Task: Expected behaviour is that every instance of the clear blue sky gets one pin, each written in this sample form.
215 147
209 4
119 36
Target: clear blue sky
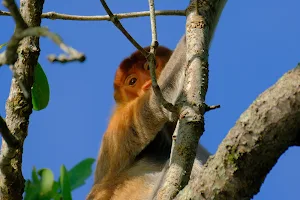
255 44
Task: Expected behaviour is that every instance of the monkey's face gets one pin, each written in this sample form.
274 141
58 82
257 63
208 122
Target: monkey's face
133 78
135 83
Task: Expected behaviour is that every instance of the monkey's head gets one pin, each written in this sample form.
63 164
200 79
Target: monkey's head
132 77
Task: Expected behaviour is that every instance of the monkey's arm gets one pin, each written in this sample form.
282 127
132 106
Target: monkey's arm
172 77
135 124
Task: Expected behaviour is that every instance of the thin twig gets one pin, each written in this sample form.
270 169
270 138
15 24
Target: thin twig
9 138
10 55
21 25
174 138
55 16
22 31
118 24
153 26
213 107
152 62
13 8
73 55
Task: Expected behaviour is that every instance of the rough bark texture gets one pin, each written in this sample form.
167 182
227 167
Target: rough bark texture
252 147
18 109
202 18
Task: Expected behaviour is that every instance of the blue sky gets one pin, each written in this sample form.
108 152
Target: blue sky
256 42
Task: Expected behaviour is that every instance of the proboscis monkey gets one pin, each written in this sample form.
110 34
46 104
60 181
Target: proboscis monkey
137 142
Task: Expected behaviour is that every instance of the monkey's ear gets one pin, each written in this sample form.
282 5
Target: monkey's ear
147 85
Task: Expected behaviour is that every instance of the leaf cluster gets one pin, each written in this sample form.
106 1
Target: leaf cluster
42 185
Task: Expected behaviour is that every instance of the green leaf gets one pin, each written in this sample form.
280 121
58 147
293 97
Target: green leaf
32 188
2 45
80 172
34 176
27 185
31 191
40 91
55 191
65 183
55 187
47 180
57 197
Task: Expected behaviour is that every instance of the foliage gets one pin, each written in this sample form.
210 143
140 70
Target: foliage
42 185
40 91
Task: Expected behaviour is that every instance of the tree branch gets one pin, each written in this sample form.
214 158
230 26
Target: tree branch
21 31
73 54
191 122
18 108
150 56
213 107
152 62
10 56
252 147
200 27
118 24
9 138
55 16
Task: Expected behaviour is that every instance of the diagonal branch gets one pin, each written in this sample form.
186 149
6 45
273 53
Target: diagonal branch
9 138
252 147
118 24
72 54
12 45
10 56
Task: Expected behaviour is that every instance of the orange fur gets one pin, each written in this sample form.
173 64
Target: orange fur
137 142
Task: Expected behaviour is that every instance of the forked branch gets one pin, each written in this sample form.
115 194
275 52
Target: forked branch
150 56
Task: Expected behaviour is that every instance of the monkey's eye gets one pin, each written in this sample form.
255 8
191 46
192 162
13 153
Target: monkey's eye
132 81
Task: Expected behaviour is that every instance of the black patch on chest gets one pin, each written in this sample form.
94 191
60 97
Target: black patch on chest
159 149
